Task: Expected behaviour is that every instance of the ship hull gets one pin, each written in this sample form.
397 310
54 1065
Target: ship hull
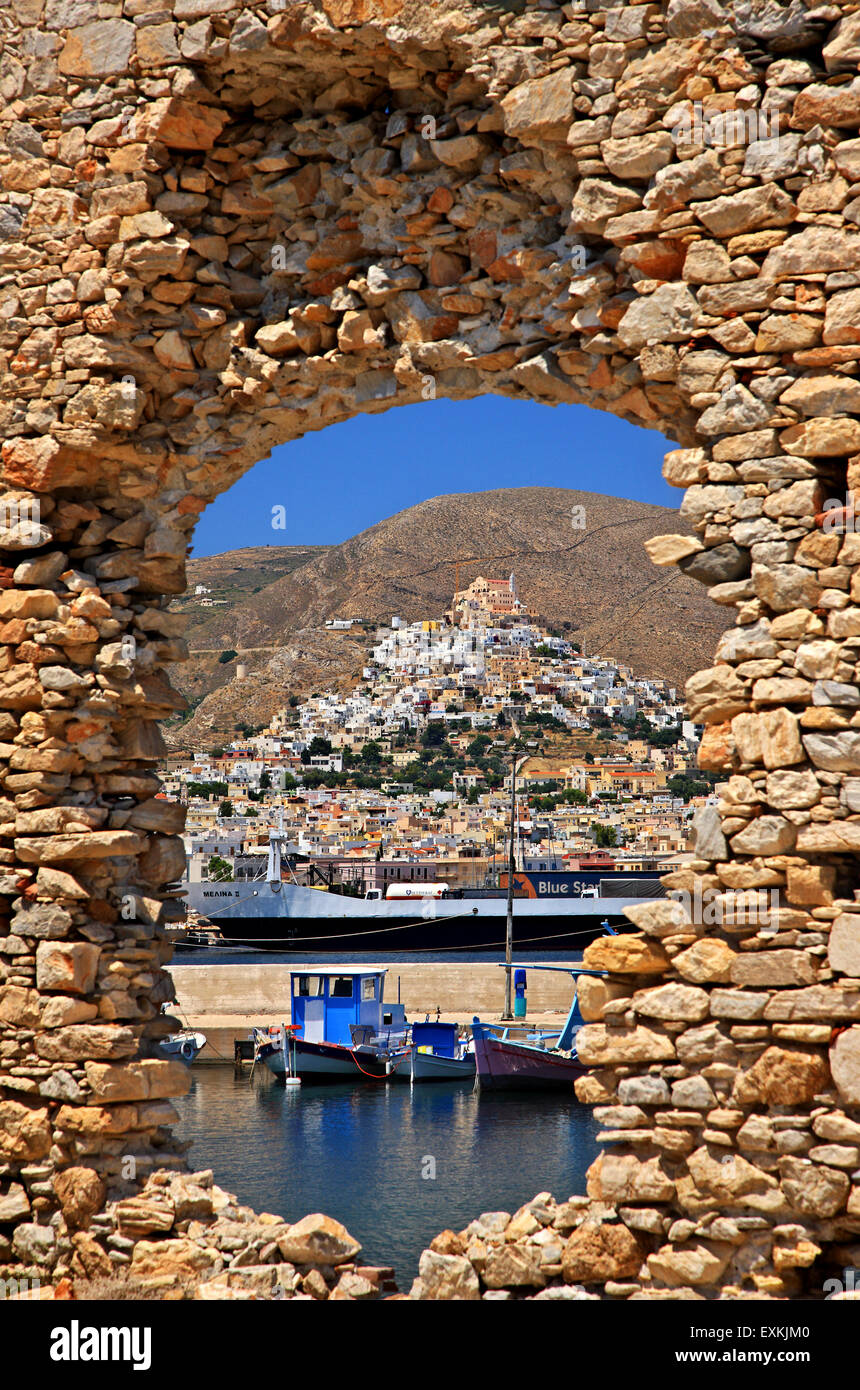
311 921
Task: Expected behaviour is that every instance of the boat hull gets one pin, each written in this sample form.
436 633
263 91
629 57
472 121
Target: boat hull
510 1066
425 1066
182 1047
326 1062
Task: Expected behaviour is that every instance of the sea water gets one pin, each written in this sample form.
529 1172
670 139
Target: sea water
395 1164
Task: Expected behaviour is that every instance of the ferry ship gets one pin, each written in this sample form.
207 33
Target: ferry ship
554 910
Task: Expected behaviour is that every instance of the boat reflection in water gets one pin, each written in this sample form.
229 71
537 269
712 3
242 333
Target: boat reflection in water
360 1153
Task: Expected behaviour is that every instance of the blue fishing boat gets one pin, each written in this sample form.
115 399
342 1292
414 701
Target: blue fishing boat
341 1028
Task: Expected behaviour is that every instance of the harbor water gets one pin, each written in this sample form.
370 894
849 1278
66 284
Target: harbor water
395 1164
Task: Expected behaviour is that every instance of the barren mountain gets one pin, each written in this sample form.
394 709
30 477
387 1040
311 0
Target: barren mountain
578 559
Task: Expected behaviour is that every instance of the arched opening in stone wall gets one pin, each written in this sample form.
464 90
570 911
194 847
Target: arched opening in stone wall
410 454
245 1145
235 224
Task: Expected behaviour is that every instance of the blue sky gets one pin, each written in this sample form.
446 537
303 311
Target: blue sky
342 479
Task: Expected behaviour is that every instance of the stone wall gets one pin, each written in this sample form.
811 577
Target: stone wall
223 225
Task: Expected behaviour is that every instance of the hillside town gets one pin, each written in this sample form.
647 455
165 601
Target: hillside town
408 776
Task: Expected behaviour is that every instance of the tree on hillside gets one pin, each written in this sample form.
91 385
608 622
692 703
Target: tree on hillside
433 736
220 871
688 787
207 789
605 836
226 808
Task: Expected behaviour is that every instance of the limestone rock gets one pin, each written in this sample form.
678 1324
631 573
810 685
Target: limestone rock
176 1259
141 1216
843 945
597 1252
25 1132
842 50
705 962
716 694
624 1178
14 1204
845 1064
512 1266
657 918
729 1179
81 1192
720 564
100 49
598 1046
813 1189
834 752
68 966
447 1278
783 1076
765 835
35 1244
696 1264
666 316
626 955
708 834
672 1002
638 156
318 1240
540 109
747 210
668 550
773 968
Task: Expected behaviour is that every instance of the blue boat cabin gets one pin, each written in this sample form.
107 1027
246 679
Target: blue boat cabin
438 1038
329 1004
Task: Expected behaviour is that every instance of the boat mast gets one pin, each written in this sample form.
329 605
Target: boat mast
509 923
273 868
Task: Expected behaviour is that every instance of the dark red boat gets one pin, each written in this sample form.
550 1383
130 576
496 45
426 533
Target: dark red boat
532 1060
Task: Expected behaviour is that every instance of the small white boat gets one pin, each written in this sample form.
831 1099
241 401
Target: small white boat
182 1047
438 1054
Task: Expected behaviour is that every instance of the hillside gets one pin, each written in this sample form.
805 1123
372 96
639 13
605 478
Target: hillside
596 584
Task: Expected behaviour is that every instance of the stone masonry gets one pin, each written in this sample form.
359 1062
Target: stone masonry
223 224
